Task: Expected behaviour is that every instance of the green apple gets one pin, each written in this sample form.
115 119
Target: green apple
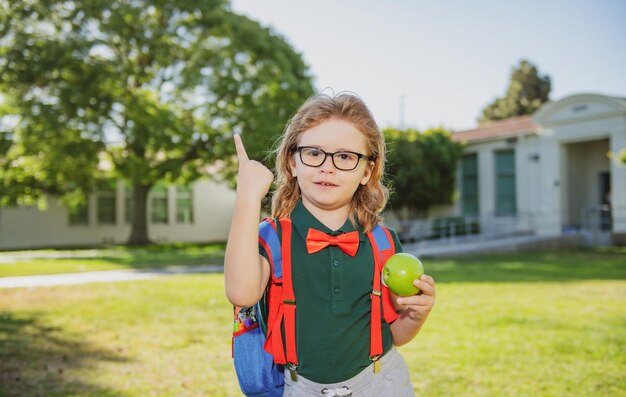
400 271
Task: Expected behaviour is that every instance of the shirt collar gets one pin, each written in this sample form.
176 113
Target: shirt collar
303 220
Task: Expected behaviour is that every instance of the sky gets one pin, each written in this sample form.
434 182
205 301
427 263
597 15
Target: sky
423 64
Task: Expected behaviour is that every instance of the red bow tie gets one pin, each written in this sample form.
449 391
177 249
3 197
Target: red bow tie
348 242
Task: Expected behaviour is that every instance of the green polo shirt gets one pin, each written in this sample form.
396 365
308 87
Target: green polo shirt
332 291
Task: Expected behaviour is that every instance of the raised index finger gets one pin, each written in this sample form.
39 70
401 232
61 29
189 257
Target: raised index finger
241 150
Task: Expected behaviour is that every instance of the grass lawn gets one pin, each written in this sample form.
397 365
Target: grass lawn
540 324
25 263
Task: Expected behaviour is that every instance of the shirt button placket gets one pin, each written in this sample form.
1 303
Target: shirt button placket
336 274
336 279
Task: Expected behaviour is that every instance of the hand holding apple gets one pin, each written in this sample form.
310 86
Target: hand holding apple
413 310
400 271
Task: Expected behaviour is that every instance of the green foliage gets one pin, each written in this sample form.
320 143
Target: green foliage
6 142
527 91
155 89
421 167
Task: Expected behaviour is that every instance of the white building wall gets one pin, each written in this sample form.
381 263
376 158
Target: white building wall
552 178
531 163
586 119
486 154
30 227
25 227
618 176
213 209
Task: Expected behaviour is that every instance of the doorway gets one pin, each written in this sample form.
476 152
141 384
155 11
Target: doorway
606 220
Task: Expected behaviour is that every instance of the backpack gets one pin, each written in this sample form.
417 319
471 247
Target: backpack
257 346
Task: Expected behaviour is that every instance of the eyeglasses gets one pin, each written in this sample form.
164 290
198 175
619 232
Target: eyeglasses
343 160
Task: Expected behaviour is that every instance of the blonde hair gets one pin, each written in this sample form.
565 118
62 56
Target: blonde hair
369 199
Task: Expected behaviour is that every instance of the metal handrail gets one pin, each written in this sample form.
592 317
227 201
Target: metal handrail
492 226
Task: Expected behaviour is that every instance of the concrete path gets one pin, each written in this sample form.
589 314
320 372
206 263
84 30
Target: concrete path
103 276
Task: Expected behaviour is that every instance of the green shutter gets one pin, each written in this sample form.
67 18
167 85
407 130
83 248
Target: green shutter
469 184
184 204
506 203
159 204
106 208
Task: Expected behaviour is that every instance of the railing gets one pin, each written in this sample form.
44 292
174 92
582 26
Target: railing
597 223
465 228
594 220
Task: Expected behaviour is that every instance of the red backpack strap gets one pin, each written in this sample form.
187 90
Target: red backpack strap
382 248
289 299
389 311
270 241
376 338
282 307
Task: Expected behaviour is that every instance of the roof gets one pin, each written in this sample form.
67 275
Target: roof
514 126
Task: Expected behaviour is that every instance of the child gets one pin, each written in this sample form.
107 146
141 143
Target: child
329 168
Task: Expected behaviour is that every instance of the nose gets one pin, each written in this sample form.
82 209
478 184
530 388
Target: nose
328 165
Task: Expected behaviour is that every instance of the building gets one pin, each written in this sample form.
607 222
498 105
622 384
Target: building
548 175
200 212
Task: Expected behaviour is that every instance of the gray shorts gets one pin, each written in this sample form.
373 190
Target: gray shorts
392 380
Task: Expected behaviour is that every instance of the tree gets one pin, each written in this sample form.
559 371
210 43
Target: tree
153 88
6 141
422 167
527 91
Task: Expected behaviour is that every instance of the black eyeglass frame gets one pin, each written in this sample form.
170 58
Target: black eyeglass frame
332 157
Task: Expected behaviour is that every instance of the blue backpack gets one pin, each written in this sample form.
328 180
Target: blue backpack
257 373
260 373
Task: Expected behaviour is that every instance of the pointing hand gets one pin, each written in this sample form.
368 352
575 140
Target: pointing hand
253 178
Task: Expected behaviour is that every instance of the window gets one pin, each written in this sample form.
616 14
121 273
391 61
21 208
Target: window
158 199
79 215
469 184
106 203
505 183
184 204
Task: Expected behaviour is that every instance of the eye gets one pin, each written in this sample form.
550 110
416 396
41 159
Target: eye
346 156
313 152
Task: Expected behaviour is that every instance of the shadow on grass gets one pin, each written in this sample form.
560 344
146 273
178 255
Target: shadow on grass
156 255
557 266
39 360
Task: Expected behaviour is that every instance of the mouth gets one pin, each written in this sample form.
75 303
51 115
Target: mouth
325 184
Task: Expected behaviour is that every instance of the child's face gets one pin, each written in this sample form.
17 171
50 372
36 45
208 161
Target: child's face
326 187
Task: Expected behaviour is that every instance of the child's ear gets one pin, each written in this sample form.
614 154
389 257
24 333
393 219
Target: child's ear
292 165
368 173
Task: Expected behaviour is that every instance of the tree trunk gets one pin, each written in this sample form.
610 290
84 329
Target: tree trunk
139 229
